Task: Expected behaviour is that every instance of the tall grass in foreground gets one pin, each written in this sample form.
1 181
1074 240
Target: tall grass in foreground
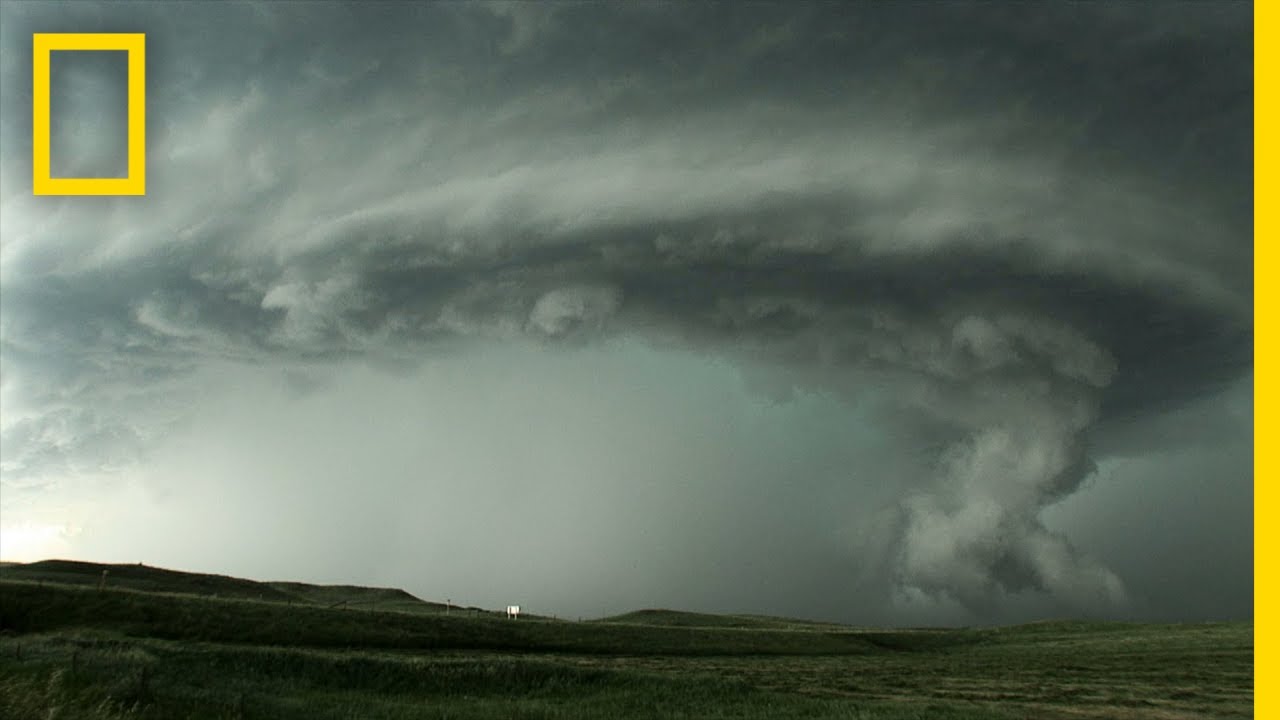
96 675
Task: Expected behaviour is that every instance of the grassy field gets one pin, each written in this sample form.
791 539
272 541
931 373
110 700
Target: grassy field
70 650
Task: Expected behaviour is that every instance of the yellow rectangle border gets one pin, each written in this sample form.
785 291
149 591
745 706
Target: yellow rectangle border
135 182
1266 346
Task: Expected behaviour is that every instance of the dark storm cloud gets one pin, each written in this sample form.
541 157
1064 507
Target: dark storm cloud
1029 225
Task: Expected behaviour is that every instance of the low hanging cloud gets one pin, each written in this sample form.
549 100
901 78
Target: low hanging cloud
1017 233
563 310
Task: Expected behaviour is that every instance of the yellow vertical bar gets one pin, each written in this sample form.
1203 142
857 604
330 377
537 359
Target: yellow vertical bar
138 115
1266 681
39 113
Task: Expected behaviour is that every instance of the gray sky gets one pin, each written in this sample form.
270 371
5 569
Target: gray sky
883 313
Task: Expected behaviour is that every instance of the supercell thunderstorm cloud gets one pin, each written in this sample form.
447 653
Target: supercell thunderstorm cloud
881 313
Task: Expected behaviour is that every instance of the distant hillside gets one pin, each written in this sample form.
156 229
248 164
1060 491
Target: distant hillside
369 598
677 618
26 607
145 578
152 579
325 594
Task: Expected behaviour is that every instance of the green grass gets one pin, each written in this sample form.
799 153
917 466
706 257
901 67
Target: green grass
72 651
104 676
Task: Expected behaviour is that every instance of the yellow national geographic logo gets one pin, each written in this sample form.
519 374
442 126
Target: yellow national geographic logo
135 182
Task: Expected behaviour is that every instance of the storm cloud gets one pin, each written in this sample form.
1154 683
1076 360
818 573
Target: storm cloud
839 311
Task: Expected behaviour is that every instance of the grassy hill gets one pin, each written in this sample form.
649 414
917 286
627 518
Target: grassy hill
159 580
71 650
368 598
28 607
142 577
679 618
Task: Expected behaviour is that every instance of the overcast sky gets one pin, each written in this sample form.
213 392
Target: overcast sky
881 313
